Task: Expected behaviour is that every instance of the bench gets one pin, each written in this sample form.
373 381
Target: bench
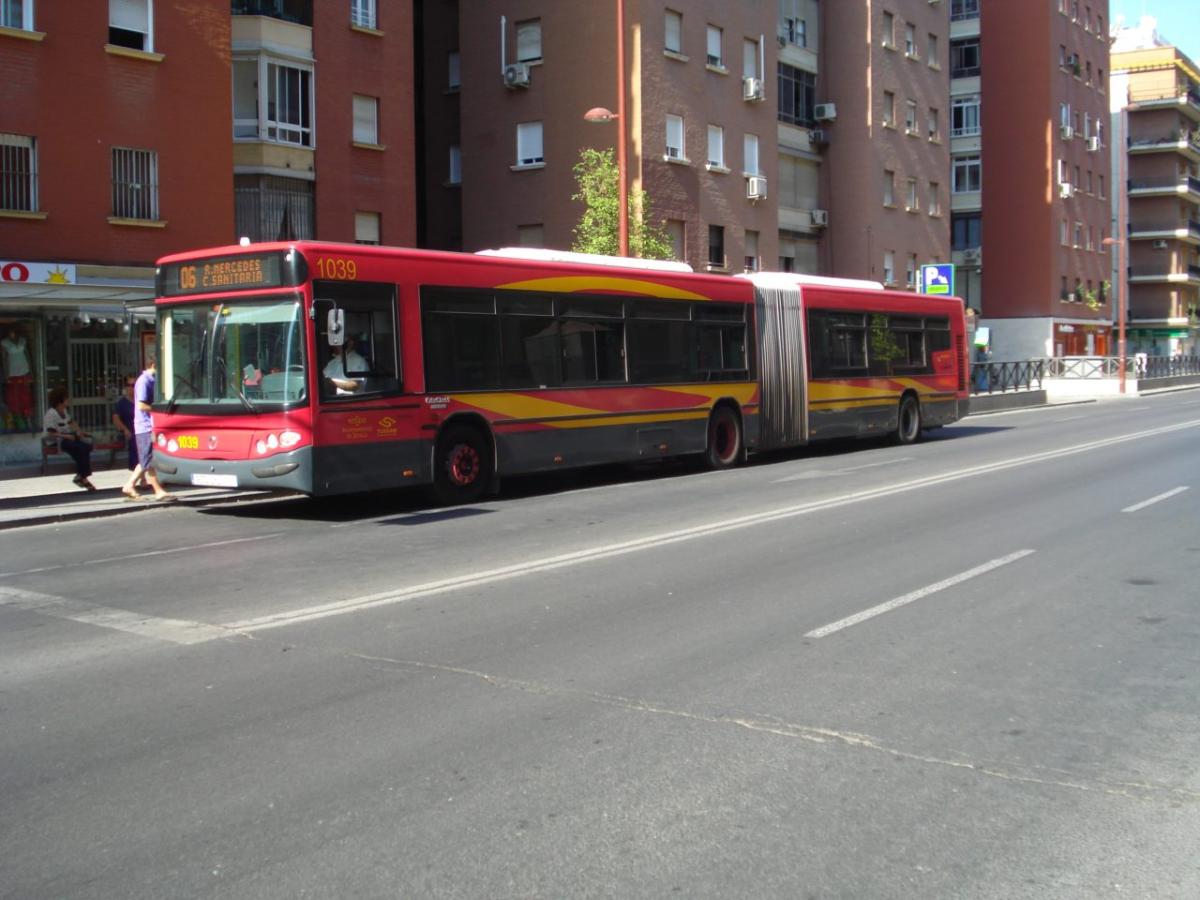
50 448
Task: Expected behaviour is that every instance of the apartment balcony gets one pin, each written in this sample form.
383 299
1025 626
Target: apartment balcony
1187 102
1189 275
1188 231
1186 143
1186 187
299 12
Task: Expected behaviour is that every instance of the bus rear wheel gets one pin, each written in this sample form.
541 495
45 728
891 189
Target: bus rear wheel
724 439
908 423
462 467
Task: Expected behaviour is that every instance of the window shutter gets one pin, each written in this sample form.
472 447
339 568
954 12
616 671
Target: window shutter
366 115
751 150
714 43
674 40
129 15
529 41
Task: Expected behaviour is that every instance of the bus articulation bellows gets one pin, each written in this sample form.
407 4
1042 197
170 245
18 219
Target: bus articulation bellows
332 368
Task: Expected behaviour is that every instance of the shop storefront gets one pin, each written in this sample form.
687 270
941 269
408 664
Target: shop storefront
1083 339
81 327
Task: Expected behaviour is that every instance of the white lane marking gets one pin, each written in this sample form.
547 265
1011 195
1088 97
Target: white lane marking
176 631
916 595
1153 500
148 553
1070 418
822 473
401 595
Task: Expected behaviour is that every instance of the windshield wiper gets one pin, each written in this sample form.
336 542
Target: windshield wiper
246 401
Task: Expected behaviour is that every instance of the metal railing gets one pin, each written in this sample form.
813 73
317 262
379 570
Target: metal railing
1164 366
998 377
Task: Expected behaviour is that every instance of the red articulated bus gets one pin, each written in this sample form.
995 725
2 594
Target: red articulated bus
332 368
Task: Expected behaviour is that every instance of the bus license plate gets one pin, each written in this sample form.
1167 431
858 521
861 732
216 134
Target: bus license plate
208 479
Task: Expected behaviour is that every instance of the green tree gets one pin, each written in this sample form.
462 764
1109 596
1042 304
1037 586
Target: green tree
596 176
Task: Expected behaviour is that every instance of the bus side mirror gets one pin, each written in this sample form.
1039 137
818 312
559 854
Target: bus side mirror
336 327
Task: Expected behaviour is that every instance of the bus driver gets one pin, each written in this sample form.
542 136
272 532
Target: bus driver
345 360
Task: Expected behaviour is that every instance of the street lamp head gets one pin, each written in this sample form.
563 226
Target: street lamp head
1109 242
599 114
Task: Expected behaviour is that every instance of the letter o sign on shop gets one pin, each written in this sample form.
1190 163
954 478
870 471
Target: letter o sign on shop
14 271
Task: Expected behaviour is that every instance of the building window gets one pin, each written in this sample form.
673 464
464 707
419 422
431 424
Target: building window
531 235
453 70
17 14
910 272
529 144
889 109
366 120
18 173
673 42
289 105
911 202
677 233
675 145
965 58
968 174
933 125
134 184
750 155
797 95
131 24
965 116
964 9
366 228
966 231
887 34
455 173
1078 241
362 14
751 254
1064 238
889 187
716 146
932 52
273 208
889 267
750 59
935 199
910 41
1100 193
910 116
714 57
716 246
529 41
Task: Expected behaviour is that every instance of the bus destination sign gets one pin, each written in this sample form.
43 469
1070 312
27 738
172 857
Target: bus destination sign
229 273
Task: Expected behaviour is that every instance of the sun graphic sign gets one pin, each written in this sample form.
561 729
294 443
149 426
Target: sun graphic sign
17 272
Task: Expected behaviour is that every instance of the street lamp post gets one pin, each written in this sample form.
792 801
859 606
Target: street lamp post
600 114
1121 244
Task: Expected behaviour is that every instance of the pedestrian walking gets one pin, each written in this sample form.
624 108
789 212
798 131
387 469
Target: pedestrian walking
143 433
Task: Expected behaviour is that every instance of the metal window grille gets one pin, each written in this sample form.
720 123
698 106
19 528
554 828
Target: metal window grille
134 183
362 13
18 173
272 208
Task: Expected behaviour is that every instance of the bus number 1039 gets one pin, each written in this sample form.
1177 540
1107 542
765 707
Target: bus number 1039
336 267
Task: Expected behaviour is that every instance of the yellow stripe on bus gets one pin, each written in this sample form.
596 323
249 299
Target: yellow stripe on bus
531 407
579 283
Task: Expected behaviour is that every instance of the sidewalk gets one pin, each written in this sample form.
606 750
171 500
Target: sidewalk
42 499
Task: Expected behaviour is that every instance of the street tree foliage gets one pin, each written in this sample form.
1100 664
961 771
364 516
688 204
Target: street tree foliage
597 232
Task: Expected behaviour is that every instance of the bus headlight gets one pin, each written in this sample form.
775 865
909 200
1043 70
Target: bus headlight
172 446
260 447
289 439
272 441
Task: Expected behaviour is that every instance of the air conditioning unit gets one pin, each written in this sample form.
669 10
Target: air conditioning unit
972 255
1094 144
516 75
1068 133
1066 190
825 112
752 88
756 187
1159 245
818 136
820 218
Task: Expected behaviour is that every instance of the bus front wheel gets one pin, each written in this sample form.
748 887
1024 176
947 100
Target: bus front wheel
908 424
724 439
462 465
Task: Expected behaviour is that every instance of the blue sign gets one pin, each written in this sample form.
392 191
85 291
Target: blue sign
937 279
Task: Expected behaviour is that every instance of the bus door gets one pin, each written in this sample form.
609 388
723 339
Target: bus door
782 367
366 433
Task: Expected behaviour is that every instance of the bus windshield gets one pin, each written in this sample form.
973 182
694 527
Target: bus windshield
247 353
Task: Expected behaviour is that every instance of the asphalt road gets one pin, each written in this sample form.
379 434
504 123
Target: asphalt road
964 669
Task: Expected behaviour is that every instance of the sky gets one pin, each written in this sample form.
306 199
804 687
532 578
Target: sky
1178 20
